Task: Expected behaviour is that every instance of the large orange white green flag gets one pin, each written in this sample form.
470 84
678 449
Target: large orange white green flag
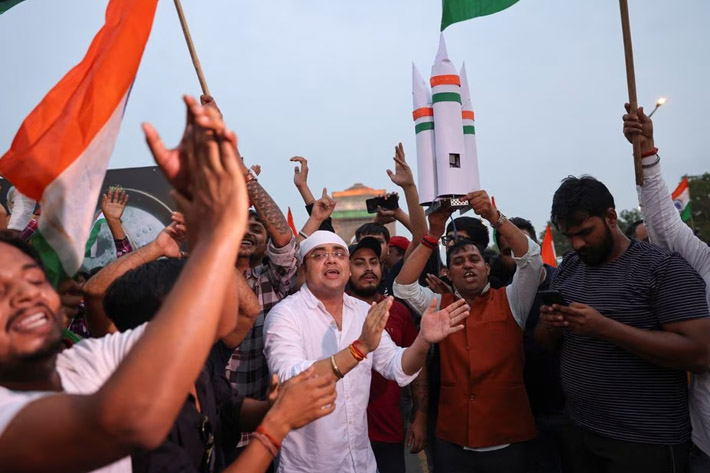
60 153
549 256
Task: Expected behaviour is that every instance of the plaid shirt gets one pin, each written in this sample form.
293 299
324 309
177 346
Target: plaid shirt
271 281
123 247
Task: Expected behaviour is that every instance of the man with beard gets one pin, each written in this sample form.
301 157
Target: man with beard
637 320
384 415
483 411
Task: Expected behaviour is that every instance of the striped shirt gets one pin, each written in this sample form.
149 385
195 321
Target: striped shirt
610 390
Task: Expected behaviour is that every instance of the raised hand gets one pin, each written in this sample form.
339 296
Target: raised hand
113 203
209 101
174 162
385 216
300 174
437 221
402 175
375 323
171 237
638 124
436 325
437 285
207 170
482 205
323 207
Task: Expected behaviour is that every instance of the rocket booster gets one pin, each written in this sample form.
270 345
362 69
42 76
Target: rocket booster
469 166
423 115
448 126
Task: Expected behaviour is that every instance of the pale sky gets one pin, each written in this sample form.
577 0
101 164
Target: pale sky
331 81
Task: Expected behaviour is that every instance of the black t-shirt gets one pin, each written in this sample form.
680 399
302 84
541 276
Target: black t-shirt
184 450
610 390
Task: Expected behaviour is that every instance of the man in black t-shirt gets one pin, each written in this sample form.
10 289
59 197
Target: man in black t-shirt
637 321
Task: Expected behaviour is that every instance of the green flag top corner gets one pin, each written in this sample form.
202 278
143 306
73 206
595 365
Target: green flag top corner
5 5
454 11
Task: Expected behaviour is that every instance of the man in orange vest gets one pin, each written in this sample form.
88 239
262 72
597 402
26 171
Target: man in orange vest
484 414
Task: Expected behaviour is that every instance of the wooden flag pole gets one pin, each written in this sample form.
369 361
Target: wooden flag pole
631 83
191 47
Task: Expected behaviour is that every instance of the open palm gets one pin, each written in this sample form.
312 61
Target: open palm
436 325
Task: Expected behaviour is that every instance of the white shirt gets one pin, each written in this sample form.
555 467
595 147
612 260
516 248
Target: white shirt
83 369
666 229
298 332
521 295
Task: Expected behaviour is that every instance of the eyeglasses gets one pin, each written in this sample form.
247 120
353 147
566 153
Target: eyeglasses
445 240
323 255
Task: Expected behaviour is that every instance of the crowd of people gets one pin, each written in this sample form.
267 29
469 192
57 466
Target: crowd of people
232 344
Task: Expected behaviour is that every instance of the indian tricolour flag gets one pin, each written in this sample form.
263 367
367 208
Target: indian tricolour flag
60 154
5 5
454 11
681 199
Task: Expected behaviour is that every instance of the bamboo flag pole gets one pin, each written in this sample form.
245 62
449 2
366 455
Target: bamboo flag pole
631 83
191 47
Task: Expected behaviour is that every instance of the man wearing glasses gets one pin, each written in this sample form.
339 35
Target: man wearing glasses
337 334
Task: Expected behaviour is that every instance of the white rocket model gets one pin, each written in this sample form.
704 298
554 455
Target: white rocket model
423 115
448 125
469 165
451 171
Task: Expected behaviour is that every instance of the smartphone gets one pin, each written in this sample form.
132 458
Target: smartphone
389 203
552 296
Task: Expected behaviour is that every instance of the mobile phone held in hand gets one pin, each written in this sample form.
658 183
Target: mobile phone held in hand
389 203
552 296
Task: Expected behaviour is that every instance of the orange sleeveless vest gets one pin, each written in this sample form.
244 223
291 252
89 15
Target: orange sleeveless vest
483 402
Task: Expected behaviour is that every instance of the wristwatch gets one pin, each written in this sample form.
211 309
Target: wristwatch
501 220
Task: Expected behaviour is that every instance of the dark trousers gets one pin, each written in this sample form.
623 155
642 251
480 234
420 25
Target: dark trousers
699 461
452 458
588 452
544 451
389 457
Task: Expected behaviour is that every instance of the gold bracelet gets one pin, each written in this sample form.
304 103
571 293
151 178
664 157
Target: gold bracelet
333 365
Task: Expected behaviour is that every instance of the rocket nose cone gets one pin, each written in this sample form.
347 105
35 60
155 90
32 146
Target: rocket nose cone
441 54
417 77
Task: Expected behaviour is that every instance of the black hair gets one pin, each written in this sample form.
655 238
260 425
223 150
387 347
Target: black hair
135 297
521 223
459 246
631 229
474 228
372 228
579 198
12 238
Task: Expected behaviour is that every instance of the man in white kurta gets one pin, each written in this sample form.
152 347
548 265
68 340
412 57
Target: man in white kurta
317 326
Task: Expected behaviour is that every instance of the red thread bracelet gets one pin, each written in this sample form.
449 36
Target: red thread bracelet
651 152
357 354
263 431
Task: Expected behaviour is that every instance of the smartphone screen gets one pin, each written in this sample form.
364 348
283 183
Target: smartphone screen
550 297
